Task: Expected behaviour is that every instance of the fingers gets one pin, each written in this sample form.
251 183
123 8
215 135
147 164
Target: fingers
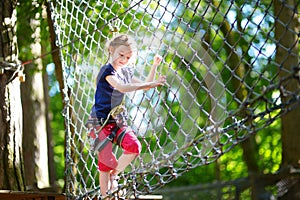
157 59
162 80
159 82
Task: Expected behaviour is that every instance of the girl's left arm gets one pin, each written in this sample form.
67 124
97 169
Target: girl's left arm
156 61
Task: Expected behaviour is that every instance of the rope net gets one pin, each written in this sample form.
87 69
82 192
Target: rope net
224 82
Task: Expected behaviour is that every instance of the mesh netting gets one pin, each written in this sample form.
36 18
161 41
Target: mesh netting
224 82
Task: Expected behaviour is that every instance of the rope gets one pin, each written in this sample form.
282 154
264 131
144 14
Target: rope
216 93
16 68
112 23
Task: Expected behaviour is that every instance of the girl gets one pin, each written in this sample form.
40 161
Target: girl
115 79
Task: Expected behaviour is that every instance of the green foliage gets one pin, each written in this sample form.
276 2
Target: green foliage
57 125
25 30
30 19
269 148
231 165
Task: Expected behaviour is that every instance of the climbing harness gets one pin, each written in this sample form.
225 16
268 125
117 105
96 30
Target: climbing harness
97 124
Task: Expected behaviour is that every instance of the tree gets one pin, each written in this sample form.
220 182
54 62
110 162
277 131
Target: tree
33 99
227 41
287 28
11 157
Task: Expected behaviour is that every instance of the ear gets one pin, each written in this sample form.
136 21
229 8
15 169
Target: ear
111 50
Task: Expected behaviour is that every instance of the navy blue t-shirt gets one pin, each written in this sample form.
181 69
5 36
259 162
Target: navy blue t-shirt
107 97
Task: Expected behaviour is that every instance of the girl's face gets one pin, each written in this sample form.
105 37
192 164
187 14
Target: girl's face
120 56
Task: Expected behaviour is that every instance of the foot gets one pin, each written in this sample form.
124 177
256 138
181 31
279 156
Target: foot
114 182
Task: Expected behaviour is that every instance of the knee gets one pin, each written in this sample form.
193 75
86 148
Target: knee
130 143
137 148
134 148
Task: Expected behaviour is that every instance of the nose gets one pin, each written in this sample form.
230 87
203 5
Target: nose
124 60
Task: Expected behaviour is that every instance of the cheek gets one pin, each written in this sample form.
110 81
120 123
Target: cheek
115 57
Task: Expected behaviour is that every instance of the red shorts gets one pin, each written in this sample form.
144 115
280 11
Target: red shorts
130 144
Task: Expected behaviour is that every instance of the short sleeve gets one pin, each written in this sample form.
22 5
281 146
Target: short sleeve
128 74
105 71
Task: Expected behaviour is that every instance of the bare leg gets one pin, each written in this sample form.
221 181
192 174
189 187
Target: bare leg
123 162
104 180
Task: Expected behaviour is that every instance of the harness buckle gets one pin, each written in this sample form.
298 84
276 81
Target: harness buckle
102 120
110 137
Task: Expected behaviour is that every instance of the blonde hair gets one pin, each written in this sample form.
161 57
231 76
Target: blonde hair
122 40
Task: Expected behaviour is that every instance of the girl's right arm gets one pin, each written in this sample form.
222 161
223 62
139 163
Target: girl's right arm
130 87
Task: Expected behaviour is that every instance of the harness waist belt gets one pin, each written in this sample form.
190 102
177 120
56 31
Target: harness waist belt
99 121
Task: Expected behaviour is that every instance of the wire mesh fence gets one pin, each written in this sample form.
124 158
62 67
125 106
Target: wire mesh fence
224 80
